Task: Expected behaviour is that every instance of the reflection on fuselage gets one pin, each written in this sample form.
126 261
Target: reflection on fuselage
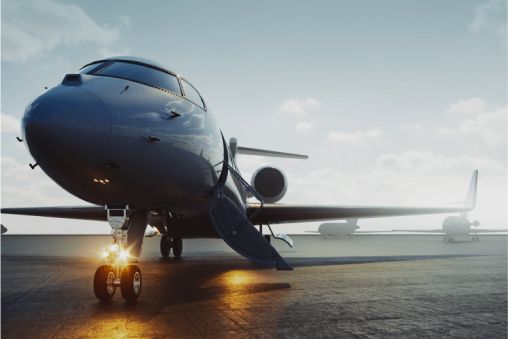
153 146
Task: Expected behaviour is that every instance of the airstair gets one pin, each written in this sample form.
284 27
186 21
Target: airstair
235 227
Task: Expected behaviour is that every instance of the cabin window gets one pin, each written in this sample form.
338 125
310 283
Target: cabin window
142 74
191 94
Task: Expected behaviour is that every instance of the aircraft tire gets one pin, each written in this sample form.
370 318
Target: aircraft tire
131 282
177 246
103 283
165 245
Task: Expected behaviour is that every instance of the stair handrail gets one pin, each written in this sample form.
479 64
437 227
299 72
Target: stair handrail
248 187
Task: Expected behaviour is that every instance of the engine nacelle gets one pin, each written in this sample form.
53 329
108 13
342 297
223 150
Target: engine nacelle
270 183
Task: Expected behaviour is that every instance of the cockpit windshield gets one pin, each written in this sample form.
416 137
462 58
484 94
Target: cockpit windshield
138 73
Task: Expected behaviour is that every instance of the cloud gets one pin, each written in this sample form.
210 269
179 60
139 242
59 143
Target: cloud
413 126
468 106
22 185
298 107
9 124
410 178
304 126
354 137
106 52
30 28
418 161
488 125
490 16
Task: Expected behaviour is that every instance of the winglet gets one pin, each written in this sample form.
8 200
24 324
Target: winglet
470 202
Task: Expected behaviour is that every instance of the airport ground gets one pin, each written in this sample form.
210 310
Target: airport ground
368 286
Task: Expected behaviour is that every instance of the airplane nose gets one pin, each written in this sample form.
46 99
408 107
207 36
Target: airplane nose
65 122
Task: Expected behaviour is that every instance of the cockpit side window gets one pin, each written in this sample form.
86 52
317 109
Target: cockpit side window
90 68
191 94
142 74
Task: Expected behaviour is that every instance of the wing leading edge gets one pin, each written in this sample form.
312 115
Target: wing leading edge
272 213
280 213
70 212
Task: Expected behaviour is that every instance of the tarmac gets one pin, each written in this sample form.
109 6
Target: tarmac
370 286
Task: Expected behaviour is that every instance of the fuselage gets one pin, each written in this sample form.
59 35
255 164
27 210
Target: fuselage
457 226
128 132
337 229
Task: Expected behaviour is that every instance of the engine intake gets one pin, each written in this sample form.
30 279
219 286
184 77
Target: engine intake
270 183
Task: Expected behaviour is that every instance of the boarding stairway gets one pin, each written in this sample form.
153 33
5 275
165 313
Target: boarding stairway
235 227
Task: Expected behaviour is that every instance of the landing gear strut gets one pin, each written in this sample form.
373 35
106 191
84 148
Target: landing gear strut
127 231
168 243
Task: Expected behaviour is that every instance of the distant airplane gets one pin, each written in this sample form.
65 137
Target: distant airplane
337 229
139 142
457 226
341 229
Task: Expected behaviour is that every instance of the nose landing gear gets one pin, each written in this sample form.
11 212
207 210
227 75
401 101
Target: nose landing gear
128 230
117 273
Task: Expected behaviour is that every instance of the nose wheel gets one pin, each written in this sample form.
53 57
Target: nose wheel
168 243
107 278
130 282
104 283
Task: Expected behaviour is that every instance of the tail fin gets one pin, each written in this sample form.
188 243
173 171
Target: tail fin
235 149
267 153
470 202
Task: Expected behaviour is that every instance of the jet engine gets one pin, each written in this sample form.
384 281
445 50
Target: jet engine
270 183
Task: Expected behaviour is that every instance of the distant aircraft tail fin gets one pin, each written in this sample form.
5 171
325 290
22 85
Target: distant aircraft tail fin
470 202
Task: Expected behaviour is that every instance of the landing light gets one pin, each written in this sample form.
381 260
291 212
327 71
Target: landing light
101 181
124 255
115 255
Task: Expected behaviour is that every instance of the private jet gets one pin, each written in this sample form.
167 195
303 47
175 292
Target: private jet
456 226
337 229
341 229
140 144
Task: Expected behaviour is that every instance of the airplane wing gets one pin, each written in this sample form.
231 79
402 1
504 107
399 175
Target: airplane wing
278 213
272 213
70 212
437 230
370 232
281 213
479 230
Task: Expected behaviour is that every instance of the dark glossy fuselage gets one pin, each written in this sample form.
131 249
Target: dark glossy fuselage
111 141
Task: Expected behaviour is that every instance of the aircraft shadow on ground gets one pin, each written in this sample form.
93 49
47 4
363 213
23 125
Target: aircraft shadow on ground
188 281
199 279
168 283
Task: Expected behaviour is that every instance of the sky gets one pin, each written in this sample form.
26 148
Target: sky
395 102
